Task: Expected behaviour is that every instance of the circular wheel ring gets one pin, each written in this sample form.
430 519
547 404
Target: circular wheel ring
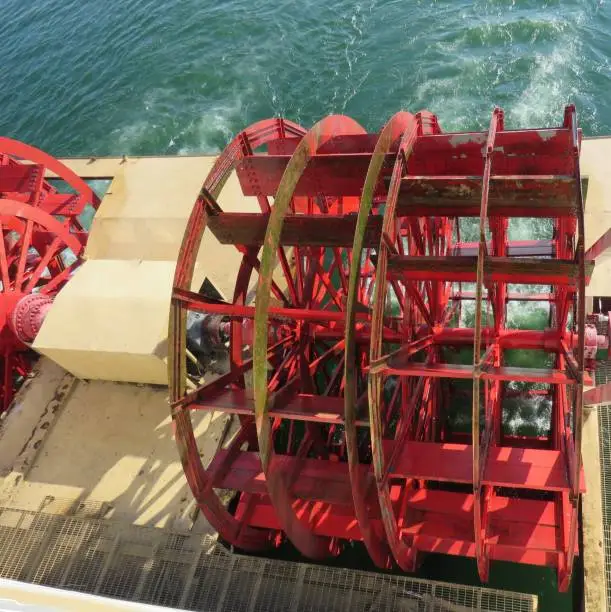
405 554
22 151
308 543
374 540
200 482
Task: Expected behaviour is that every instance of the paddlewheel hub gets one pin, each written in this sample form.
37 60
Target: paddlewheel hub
387 367
43 236
28 315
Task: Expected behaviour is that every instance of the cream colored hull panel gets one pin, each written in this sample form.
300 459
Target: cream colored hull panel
110 322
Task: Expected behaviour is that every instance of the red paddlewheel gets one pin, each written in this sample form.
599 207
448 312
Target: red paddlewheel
23 169
38 254
383 359
42 239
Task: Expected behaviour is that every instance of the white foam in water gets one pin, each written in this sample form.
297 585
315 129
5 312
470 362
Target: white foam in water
130 138
216 124
539 425
195 127
552 84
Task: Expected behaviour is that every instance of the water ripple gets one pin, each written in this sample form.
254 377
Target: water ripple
86 77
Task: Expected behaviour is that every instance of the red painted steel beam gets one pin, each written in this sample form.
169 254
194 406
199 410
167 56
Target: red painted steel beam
444 370
334 175
298 407
511 297
518 541
514 248
194 301
510 196
496 269
20 151
248 229
535 469
599 247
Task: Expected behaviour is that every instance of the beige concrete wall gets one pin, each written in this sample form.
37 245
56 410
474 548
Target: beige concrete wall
110 321
594 159
594 164
145 209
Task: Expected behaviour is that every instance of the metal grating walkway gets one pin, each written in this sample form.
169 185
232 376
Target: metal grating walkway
603 375
194 572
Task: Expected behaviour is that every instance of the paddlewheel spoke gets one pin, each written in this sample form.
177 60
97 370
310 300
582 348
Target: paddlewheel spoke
4 274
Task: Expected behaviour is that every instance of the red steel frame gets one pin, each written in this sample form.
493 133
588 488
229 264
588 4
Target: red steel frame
41 246
359 270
